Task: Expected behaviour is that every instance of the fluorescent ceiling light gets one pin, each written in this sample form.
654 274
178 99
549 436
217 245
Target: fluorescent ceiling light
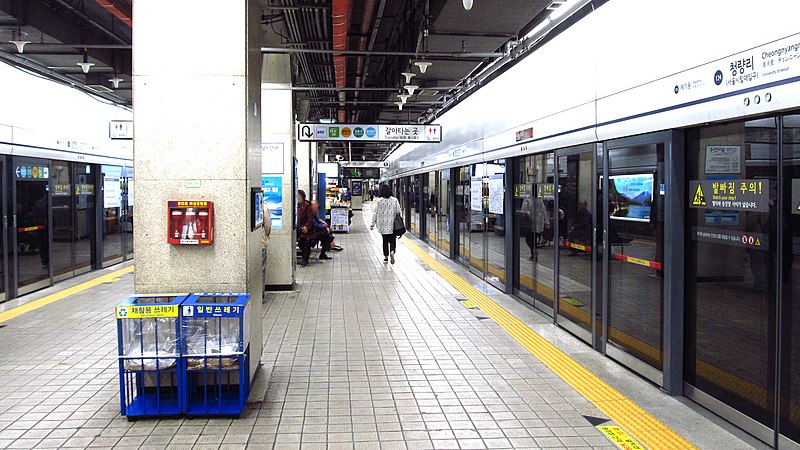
20 44
423 65
85 66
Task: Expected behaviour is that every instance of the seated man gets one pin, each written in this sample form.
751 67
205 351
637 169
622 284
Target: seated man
323 232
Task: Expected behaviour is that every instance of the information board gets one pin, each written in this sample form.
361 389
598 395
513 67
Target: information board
476 194
340 220
737 195
723 159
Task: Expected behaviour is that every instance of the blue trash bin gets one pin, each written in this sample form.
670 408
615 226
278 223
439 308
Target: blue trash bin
148 339
215 352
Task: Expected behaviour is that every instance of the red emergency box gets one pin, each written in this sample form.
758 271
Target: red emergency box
190 222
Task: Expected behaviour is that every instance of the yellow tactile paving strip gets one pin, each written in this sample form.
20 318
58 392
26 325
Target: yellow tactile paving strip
64 293
641 425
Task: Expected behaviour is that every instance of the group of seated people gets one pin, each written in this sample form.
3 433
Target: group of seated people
312 230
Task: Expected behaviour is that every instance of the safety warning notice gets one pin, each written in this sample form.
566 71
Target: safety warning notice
737 195
619 437
757 241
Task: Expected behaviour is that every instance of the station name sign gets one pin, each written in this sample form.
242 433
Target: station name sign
308 132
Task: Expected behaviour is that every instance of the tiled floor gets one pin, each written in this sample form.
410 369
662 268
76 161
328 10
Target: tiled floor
362 355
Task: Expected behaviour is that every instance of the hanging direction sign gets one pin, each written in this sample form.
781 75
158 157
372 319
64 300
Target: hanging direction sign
308 132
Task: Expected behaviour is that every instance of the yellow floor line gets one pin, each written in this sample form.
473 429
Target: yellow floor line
64 293
637 422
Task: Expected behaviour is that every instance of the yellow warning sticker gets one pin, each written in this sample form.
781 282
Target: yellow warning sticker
619 437
699 198
468 304
572 301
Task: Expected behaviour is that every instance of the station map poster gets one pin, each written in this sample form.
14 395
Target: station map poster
496 194
272 187
476 194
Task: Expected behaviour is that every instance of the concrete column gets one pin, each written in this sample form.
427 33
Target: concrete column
197 118
277 126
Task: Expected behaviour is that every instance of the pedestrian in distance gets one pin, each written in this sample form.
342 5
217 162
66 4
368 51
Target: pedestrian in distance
387 207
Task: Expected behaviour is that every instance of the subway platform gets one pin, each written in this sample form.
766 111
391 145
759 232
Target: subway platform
363 355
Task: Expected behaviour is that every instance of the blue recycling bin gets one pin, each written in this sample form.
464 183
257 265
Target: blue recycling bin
148 340
215 362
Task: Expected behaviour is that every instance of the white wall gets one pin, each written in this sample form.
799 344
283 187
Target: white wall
39 112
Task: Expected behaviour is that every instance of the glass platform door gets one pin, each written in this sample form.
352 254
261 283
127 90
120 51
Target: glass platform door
31 224
4 237
633 219
578 258
487 222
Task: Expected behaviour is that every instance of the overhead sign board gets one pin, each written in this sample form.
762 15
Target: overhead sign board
120 129
308 132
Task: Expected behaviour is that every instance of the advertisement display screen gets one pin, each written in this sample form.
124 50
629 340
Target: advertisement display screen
630 197
272 187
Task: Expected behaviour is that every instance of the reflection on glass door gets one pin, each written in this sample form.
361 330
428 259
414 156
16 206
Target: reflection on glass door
431 204
463 211
126 211
84 219
487 222
634 225
577 255
31 225
534 236
443 212
63 221
789 406
112 215
416 187
3 235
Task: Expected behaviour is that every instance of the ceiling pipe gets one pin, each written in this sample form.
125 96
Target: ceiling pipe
427 55
342 9
366 24
350 89
112 7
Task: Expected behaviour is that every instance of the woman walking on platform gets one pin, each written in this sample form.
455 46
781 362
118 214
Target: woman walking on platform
387 208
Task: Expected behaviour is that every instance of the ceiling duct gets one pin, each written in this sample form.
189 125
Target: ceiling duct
117 11
342 10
